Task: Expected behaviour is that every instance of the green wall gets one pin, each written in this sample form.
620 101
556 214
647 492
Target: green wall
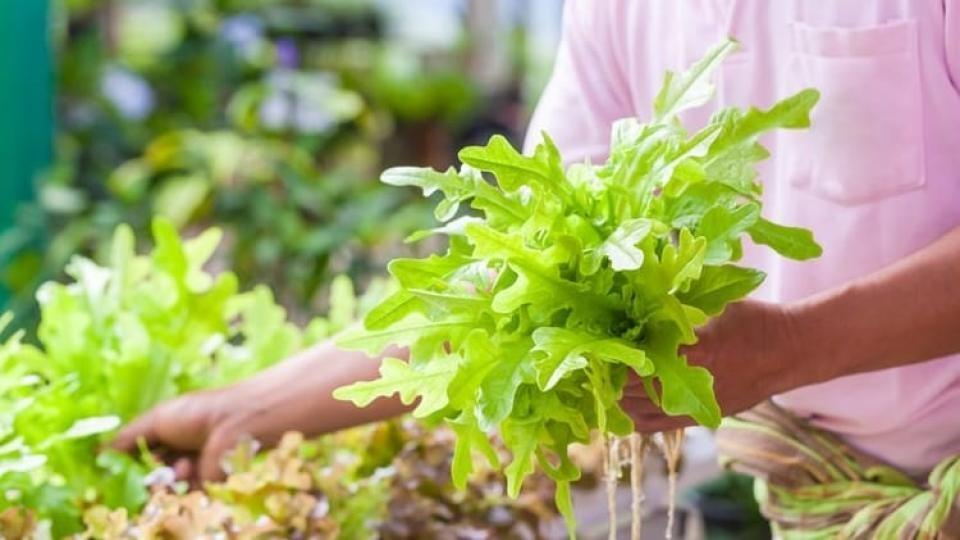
26 103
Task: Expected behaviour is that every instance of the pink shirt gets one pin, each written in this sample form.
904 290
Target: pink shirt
877 176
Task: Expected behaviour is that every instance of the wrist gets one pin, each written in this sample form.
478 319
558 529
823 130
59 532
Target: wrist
819 348
787 350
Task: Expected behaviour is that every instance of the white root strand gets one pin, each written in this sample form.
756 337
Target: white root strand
638 448
672 449
611 466
671 445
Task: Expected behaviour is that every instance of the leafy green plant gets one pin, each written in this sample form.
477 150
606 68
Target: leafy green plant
114 341
564 281
284 217
204 81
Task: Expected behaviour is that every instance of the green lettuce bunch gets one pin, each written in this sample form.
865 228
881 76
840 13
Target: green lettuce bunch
114 341
561 281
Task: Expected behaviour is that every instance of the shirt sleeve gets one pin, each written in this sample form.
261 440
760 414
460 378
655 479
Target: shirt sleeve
586 92
951 38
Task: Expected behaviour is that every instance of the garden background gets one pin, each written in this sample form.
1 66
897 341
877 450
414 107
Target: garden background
271 120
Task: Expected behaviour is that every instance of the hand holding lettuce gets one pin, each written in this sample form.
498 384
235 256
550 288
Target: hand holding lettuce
562 281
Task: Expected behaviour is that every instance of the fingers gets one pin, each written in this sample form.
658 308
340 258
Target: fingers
142 427
641 387
648 418
635 391
659 424
221 441
180 424
184 468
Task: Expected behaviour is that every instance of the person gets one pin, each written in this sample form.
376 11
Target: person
860 348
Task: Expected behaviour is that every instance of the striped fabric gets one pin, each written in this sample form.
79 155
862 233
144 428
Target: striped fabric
811 486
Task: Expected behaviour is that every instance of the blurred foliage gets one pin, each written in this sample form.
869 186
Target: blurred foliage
117 339
729 508
270 119
389 480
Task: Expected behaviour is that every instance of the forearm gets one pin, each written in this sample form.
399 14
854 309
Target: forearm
297 393
906 313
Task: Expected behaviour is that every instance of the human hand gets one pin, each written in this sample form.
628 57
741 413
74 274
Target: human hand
751 350
194 431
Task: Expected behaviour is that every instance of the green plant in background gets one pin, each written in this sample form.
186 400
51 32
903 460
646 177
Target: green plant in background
269 119
285 220
566 281
114 341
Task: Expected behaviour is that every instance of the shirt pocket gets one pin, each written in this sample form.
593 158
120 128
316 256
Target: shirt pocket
866 138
